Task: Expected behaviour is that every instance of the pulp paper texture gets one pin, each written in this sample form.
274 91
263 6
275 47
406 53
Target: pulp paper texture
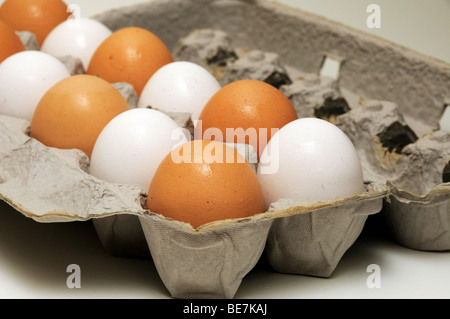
256 65
422 166
51 185
417 209
74 65
29 40
314 243
209 263
420 222
209 48
316 96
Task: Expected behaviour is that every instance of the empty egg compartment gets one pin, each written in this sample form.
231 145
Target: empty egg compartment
414 168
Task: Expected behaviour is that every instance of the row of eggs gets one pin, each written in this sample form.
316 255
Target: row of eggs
305 158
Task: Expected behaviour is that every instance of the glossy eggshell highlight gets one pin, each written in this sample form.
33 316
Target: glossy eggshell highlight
258 108
24 79
179 86
204 181
36 16
10 42
77 38
130 148
130 55
312 160
74 111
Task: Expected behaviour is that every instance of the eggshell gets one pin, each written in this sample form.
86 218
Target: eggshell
312 160
245 111
11 42
130 148
79 38
74 111
37 16
205 181
132 55
180 86
24 79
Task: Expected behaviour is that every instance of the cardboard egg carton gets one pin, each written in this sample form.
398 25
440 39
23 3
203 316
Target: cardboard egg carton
51 185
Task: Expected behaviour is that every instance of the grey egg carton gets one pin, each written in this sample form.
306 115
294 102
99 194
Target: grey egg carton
376 97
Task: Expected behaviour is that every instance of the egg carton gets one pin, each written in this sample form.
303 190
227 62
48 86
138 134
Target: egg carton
51 185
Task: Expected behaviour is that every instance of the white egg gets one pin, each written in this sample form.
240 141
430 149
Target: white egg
24 78
79 38
179 86
312 160
131 146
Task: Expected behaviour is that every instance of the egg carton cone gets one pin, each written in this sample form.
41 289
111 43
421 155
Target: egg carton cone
413 168
310 238
388 114
417 209
209 262
420 222
295 236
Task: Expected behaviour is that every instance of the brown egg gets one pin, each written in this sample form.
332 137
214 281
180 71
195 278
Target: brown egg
10 42
74 111
204 181
36 16
129 55
254 107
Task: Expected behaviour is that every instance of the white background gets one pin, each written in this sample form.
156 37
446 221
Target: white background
34 257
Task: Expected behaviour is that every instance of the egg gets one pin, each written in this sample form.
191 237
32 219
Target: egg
312 160
74 111
130 55
36 16
245 112
132 145
10 42
24 79
78 38
203 181
179 86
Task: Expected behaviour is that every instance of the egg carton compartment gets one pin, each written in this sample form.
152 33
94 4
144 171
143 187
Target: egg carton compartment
413 167
286 48
311 238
